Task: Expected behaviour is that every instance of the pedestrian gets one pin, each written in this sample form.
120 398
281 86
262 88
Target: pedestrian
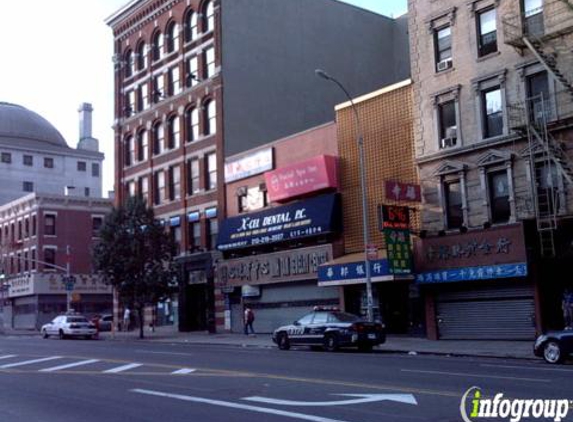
249 319
567 307
126 318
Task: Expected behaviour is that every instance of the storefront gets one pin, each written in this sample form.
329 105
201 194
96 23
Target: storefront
394 299
275 268
477 285
36 299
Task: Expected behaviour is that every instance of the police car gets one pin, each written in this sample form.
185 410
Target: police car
331 329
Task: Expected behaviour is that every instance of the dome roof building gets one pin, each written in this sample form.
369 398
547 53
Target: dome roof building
35 157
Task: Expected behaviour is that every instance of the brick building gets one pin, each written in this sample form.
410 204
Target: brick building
387 121
199 80
493 106
272 268
39 235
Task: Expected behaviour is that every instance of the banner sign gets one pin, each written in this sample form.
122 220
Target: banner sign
397 191
249 165
353 273
394 217
398 249
299 179
313 217
279 267
486 272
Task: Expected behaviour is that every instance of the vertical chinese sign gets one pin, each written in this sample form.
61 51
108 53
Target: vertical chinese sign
396 228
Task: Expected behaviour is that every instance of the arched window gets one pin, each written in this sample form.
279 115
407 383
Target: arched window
210 118
208 17
129 63
172 37
191 26
141 56
158 138
174 132
158 46
192 123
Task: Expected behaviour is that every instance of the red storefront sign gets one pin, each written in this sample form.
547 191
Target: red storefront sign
316 174
397 191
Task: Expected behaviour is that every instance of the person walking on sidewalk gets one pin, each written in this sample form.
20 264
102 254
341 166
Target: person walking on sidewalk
126 319
249 319
567 307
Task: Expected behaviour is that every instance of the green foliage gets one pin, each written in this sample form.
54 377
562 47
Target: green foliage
135 255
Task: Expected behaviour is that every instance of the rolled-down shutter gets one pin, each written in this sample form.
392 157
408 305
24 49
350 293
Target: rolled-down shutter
487 314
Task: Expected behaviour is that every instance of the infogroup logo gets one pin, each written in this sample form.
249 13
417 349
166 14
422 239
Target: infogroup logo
474 406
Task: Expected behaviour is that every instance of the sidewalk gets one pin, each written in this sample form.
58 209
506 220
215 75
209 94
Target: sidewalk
394 344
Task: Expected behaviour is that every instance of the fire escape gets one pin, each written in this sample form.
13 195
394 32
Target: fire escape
547 34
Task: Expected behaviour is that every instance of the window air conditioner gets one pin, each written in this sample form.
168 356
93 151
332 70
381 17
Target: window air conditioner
444 64
447 142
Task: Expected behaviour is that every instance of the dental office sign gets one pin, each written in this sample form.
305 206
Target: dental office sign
313 217
249 165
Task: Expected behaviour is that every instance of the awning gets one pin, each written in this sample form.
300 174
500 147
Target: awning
351 269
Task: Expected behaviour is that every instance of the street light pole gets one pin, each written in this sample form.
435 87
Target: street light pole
360 140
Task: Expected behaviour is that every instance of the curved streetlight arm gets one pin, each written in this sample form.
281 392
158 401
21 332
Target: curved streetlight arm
369 299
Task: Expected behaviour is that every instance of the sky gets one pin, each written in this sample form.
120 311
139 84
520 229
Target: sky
51 73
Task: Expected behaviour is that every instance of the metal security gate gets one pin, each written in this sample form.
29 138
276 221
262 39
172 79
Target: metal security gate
487 314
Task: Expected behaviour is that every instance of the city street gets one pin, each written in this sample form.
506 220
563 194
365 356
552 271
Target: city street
78 380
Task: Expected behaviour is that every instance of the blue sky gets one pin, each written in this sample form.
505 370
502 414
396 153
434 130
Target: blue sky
51 73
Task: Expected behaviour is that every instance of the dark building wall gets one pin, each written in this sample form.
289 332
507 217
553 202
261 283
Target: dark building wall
270 49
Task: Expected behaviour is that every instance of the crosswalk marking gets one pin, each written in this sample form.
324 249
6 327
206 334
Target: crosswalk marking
29 362
122 368
7 356
70 365
183 371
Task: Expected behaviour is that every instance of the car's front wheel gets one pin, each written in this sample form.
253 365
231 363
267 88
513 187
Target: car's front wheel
331 342
283 341
552 352
44 333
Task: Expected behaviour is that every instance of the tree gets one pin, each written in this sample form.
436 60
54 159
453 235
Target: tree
135 256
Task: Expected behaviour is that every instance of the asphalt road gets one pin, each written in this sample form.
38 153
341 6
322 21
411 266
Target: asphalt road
77 380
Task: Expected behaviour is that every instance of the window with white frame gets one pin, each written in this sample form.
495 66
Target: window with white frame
192 71
131 188
142 145
143 94
49 224
158 138
194 235
209 17
209 59
174 132
192 123
158 46
447 124
193 176
141 56
49 258
213 232
129 103
159 87
129 64
175 183
143 188
492 112
160 188
191 30
172 37
211 171
174 81
210 118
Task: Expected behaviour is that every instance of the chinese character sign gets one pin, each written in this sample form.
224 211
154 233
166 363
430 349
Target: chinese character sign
399 252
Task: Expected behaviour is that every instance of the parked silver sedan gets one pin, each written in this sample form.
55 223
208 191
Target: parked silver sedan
65 326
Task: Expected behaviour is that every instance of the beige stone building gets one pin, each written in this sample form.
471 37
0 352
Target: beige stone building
493 110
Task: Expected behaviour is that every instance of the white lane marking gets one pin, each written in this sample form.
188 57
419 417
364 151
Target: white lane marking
361 398
123 368
293 415
165 353
183 371
69 365
8 356
460 374
29 362
527 368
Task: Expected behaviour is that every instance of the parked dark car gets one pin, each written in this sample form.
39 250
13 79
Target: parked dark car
554 346
105 322
330 329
